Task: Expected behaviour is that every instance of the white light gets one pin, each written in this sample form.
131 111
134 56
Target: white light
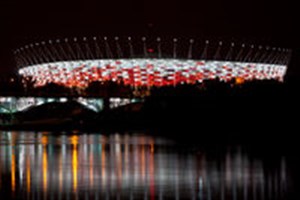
110 68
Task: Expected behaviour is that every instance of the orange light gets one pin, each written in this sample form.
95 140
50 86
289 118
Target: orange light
152 146
28 174
44 140
75 164
103 164
13 171
239 80
151 172
45 170
74 140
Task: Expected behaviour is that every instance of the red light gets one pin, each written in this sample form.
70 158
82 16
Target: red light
144 73
150 50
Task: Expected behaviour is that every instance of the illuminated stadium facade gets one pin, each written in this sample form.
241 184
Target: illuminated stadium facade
125 69
139 62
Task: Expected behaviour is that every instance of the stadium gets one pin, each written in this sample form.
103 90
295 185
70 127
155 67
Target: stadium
138 62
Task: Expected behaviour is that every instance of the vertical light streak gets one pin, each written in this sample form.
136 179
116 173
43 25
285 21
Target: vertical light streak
60 172
152 146
143 163
45 169
0 172
126 161
74 141
119 164
75 167
91 168
13 162
1 165
13 171
151 170
28 174
103 164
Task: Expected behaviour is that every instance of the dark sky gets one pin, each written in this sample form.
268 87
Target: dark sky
269 22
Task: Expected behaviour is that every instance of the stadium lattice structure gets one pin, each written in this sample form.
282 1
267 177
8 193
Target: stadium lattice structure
146 61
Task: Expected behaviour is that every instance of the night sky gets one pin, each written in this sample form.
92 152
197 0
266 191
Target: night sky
263 21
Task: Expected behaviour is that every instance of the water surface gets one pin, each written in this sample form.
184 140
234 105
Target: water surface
61 166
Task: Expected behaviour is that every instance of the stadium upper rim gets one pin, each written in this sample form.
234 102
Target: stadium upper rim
92 48
147 61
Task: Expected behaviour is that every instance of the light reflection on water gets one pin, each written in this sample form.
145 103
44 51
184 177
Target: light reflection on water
130 166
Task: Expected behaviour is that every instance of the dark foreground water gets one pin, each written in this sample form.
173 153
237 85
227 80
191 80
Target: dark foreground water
134 166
